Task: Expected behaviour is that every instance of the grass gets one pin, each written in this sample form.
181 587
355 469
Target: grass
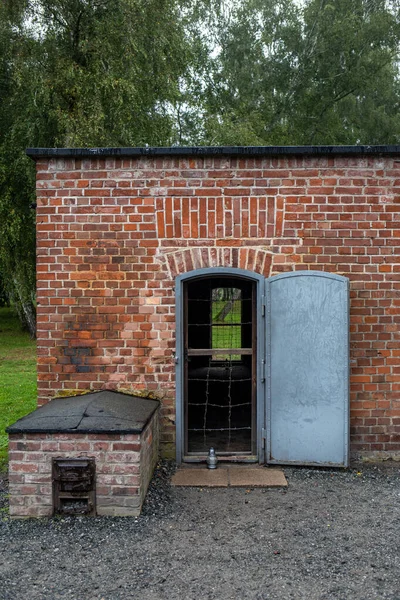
17 376
225 336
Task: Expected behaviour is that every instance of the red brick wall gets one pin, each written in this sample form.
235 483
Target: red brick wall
114 233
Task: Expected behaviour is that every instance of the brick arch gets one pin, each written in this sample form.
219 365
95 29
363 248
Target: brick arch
189 259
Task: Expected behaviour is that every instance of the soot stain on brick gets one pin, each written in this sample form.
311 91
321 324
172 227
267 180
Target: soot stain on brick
77 357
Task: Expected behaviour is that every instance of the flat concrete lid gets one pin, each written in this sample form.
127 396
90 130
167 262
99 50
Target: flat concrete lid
100 412
232 476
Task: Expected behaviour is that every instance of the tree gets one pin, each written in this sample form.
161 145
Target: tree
17 232
352 63
77 73
319 72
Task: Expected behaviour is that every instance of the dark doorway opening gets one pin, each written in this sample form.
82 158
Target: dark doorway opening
220 366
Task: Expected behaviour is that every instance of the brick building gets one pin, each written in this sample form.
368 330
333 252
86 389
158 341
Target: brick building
156 271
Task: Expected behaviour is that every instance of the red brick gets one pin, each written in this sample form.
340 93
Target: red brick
131 235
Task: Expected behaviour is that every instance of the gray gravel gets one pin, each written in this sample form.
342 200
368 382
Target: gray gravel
331 535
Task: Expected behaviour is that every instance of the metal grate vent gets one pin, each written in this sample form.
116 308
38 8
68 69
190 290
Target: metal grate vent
74 486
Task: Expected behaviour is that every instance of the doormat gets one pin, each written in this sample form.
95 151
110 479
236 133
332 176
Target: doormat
229 477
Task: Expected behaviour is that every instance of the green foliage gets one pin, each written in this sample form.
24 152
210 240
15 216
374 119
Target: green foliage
3 294
317 72
17 234
108 68
17 375
77 73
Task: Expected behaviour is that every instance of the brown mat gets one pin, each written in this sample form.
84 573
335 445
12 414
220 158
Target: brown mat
229 477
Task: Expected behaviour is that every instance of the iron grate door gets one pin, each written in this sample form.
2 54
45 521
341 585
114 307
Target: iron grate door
307 408
220 366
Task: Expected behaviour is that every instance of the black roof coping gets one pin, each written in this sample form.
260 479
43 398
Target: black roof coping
36 153
99 412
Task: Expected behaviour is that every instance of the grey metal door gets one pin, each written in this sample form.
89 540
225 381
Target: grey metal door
307 369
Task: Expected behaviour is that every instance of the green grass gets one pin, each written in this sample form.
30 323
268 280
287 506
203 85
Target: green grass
223 336
18 391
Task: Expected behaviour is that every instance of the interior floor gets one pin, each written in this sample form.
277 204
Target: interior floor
240 442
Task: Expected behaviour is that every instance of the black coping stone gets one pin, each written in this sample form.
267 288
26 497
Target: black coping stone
100 412
386 149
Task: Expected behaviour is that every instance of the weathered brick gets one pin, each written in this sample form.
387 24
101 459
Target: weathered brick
120 230
120 472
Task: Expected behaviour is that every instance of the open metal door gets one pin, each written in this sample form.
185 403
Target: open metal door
307 407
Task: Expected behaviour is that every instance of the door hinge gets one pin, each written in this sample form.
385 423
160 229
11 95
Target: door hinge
263 437
263 306
262 370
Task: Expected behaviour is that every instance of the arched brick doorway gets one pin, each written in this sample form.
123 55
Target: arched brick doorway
220 352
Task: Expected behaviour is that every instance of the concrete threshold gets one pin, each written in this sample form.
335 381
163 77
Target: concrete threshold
229 476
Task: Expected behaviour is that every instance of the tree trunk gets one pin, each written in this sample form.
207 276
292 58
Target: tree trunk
25 309
228 306
30 318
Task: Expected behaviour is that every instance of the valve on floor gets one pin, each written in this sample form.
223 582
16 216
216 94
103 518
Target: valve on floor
212 459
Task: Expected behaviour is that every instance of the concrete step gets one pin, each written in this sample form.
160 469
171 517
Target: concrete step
229 476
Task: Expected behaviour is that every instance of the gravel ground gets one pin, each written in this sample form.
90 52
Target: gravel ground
331 535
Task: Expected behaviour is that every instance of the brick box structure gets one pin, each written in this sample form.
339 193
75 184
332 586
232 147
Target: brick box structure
115 227
124 462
